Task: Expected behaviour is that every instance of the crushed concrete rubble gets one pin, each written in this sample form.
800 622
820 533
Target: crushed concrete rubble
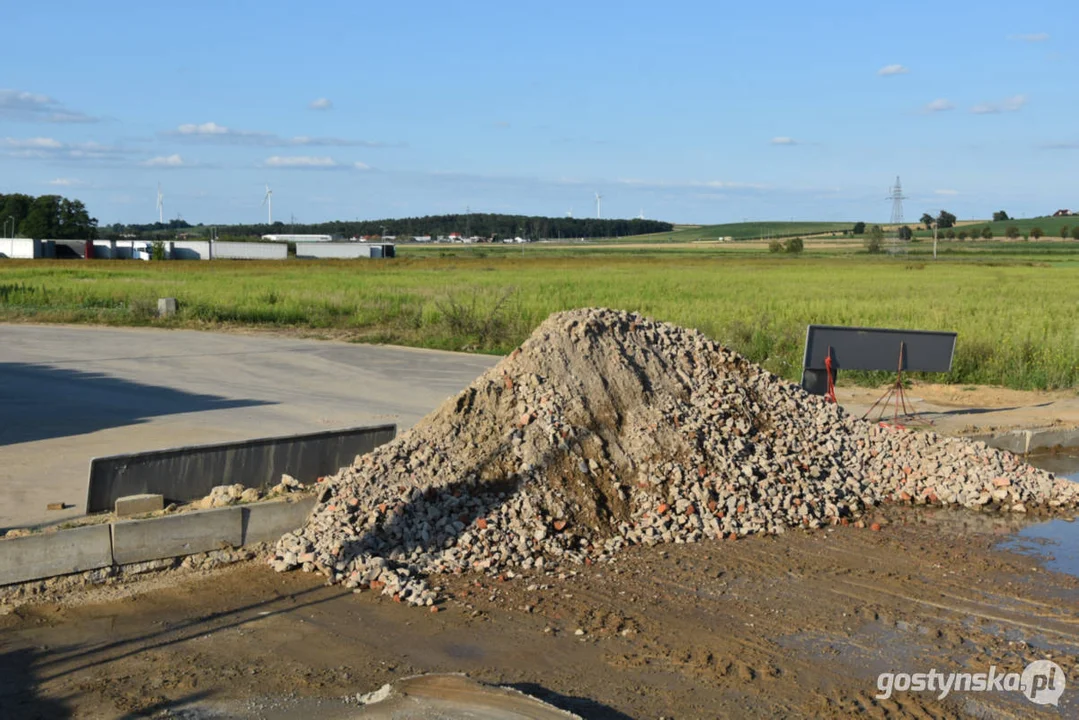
606 429
225 495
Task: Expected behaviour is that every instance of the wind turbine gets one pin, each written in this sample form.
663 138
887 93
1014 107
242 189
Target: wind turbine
160 205
641 216
598 198
267 200
569 213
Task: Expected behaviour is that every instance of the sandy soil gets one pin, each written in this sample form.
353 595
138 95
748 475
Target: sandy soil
798 625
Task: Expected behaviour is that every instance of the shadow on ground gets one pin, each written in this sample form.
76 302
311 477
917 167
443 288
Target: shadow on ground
19 696
39 402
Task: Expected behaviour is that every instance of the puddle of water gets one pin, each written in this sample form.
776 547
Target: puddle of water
1055 542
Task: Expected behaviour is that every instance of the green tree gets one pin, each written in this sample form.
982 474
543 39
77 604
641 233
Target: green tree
1075 232
927 220
1063 232
1011 232
875 241
945 219
962 234
1036 232
775 246
859 228
43 219
1000 216
905 233
794 246
950 234
987 233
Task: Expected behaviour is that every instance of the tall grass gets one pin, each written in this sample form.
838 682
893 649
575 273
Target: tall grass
1017 322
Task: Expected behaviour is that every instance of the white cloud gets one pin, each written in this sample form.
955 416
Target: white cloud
166 161
68 182
321 104
939 105
38 143
300 161
1012 104
34 107
709 184
1032 37
784 140
361 166
895 69
209 128
946 192
211 132
50 148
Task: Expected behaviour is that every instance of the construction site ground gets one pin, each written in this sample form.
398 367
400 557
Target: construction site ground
798 625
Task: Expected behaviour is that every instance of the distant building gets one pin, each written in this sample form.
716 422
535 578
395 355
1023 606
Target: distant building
1063 213
297 238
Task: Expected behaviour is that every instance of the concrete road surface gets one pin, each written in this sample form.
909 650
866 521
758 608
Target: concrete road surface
68 394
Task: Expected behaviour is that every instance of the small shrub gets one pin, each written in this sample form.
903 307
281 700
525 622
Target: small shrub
794 246
157 250
950 234
1075 232
987 233
962 235
1064 232
1011 232
1036 232
775 246
874 244
859 228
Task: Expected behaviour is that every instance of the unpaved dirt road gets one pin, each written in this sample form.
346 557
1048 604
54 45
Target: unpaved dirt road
791 626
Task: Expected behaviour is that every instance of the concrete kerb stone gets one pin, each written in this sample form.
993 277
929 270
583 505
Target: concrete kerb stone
63 552
267 522
185 534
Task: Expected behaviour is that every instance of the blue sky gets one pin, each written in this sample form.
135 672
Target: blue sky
688 111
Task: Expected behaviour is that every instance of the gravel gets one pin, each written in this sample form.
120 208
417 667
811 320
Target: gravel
606 429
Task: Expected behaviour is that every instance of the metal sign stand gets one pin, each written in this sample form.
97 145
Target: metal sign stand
895 391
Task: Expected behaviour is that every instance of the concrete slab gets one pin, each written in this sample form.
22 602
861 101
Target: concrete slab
268 521
54 553
176 535
73 393
139 504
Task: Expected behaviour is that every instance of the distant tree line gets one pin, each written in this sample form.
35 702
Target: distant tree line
46 217
467 225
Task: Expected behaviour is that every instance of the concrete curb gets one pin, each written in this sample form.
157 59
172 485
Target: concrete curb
57 553
65 552
172 536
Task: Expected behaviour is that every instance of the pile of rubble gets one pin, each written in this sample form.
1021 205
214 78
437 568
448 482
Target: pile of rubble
606 429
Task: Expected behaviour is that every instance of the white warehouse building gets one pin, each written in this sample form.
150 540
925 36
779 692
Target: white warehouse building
298 238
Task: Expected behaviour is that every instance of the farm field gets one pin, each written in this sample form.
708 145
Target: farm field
740 231
1013 305
1051 226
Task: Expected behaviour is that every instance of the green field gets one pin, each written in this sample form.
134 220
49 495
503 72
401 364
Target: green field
1049 225
1015 315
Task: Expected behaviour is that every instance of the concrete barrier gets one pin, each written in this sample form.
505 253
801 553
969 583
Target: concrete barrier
266 522
175 535
56 553
1023 442
189 473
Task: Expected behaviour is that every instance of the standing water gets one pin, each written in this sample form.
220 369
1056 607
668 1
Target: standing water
1056 540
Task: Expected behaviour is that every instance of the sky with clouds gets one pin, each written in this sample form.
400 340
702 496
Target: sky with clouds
685 111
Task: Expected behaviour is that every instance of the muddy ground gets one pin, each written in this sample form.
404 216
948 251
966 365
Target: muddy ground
798 625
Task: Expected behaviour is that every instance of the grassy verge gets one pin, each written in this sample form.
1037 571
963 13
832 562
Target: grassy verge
1015 317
